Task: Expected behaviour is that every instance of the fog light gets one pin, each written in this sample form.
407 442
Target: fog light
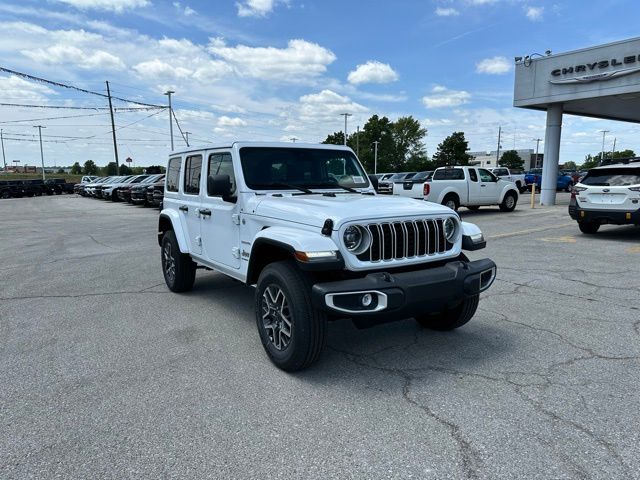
366 299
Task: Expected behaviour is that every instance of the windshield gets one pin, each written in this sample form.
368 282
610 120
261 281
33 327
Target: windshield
269 168
614 177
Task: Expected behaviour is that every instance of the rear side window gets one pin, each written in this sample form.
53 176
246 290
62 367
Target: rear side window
221 164
613 177
192 169
449 174
473 175
173 174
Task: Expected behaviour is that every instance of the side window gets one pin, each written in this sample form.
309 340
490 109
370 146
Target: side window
222 164
458 174
486 176
173 174
192 169
473 175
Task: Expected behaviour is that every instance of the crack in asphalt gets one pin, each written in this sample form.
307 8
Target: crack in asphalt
471 460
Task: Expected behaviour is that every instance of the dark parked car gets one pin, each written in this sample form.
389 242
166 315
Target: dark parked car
139 192
155 194
124 192
57 186
11 189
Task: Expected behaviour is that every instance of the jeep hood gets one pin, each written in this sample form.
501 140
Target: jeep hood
313 210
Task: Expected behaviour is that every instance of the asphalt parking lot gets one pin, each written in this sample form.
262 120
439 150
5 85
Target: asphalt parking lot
106 374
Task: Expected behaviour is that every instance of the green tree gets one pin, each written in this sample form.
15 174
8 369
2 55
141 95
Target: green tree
76 169
380 130
570 166
590 162
60 170
335 138
512 160
125 170
452 151
110 169
410 152
90 168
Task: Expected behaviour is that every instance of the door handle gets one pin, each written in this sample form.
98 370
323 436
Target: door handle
205 212
183 208
482 185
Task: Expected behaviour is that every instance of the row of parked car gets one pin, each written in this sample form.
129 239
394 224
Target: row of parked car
146 189
34 188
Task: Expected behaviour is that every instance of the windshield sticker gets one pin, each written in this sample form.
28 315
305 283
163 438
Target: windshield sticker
357 179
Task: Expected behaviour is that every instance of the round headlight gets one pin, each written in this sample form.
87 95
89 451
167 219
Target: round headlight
352 237
450 229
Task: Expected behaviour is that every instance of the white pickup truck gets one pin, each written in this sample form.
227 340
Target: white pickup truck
470 187
412 187
506 174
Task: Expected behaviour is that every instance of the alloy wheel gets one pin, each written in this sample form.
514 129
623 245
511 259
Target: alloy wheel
276 317
169 262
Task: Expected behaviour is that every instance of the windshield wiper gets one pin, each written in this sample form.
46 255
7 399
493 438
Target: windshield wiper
284 185
336 185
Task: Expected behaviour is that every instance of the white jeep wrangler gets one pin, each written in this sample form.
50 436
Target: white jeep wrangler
304 225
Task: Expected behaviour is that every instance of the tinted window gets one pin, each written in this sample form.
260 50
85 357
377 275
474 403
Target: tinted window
500 171
271 168
192 169
486 175
221 164
612 177
473 175
173 174
449 174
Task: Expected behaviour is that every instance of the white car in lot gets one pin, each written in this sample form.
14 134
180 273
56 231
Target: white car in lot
504 173
607 195
470 187
412 187
304 225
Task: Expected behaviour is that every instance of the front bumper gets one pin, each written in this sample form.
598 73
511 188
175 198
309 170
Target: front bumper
603 217
405 294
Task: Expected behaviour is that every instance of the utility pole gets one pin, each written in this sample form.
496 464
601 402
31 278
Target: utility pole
358 141
4 159
345 126
498 150
537 149
113 131
375 157
604 133
168 93
293 139
40 127
186 135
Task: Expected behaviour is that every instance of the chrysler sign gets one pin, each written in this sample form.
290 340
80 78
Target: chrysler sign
592 72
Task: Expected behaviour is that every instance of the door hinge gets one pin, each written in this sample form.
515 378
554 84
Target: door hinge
236 218
236 252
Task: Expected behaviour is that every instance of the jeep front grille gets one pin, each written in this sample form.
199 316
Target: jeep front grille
408 239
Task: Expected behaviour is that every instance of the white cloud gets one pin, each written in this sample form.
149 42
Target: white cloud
158 68
16 88
534 13
187 10
296 63
373 72
447 12
225 121
494 66
70 55
327 105
112 5
442 97
257 8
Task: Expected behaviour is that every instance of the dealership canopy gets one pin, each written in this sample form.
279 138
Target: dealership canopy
601 82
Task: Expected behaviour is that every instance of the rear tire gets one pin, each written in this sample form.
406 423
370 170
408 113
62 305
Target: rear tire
450 200
568 187
292 331
178 269
589 227
509 202
450 319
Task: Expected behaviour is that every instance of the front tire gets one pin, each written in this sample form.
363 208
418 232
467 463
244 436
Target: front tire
178 269
509 202
292 331
450 319
589 227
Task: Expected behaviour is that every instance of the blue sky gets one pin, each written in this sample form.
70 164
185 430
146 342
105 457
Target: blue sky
277 69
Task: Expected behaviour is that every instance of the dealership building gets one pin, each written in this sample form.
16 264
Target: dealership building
488 159
599 82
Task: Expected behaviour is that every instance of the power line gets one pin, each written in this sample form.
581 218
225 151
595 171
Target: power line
65 107
55 118
72 87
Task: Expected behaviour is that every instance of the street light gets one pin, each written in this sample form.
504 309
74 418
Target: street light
375 157
604 133
346 115
40 127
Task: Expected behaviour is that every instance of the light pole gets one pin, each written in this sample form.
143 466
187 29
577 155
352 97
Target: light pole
537 149
168 93
346 115
293 139
4 159
375 157
498 150
604 134
40 127
358 141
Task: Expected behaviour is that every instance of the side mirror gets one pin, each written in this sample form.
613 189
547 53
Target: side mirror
374 181
219 186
